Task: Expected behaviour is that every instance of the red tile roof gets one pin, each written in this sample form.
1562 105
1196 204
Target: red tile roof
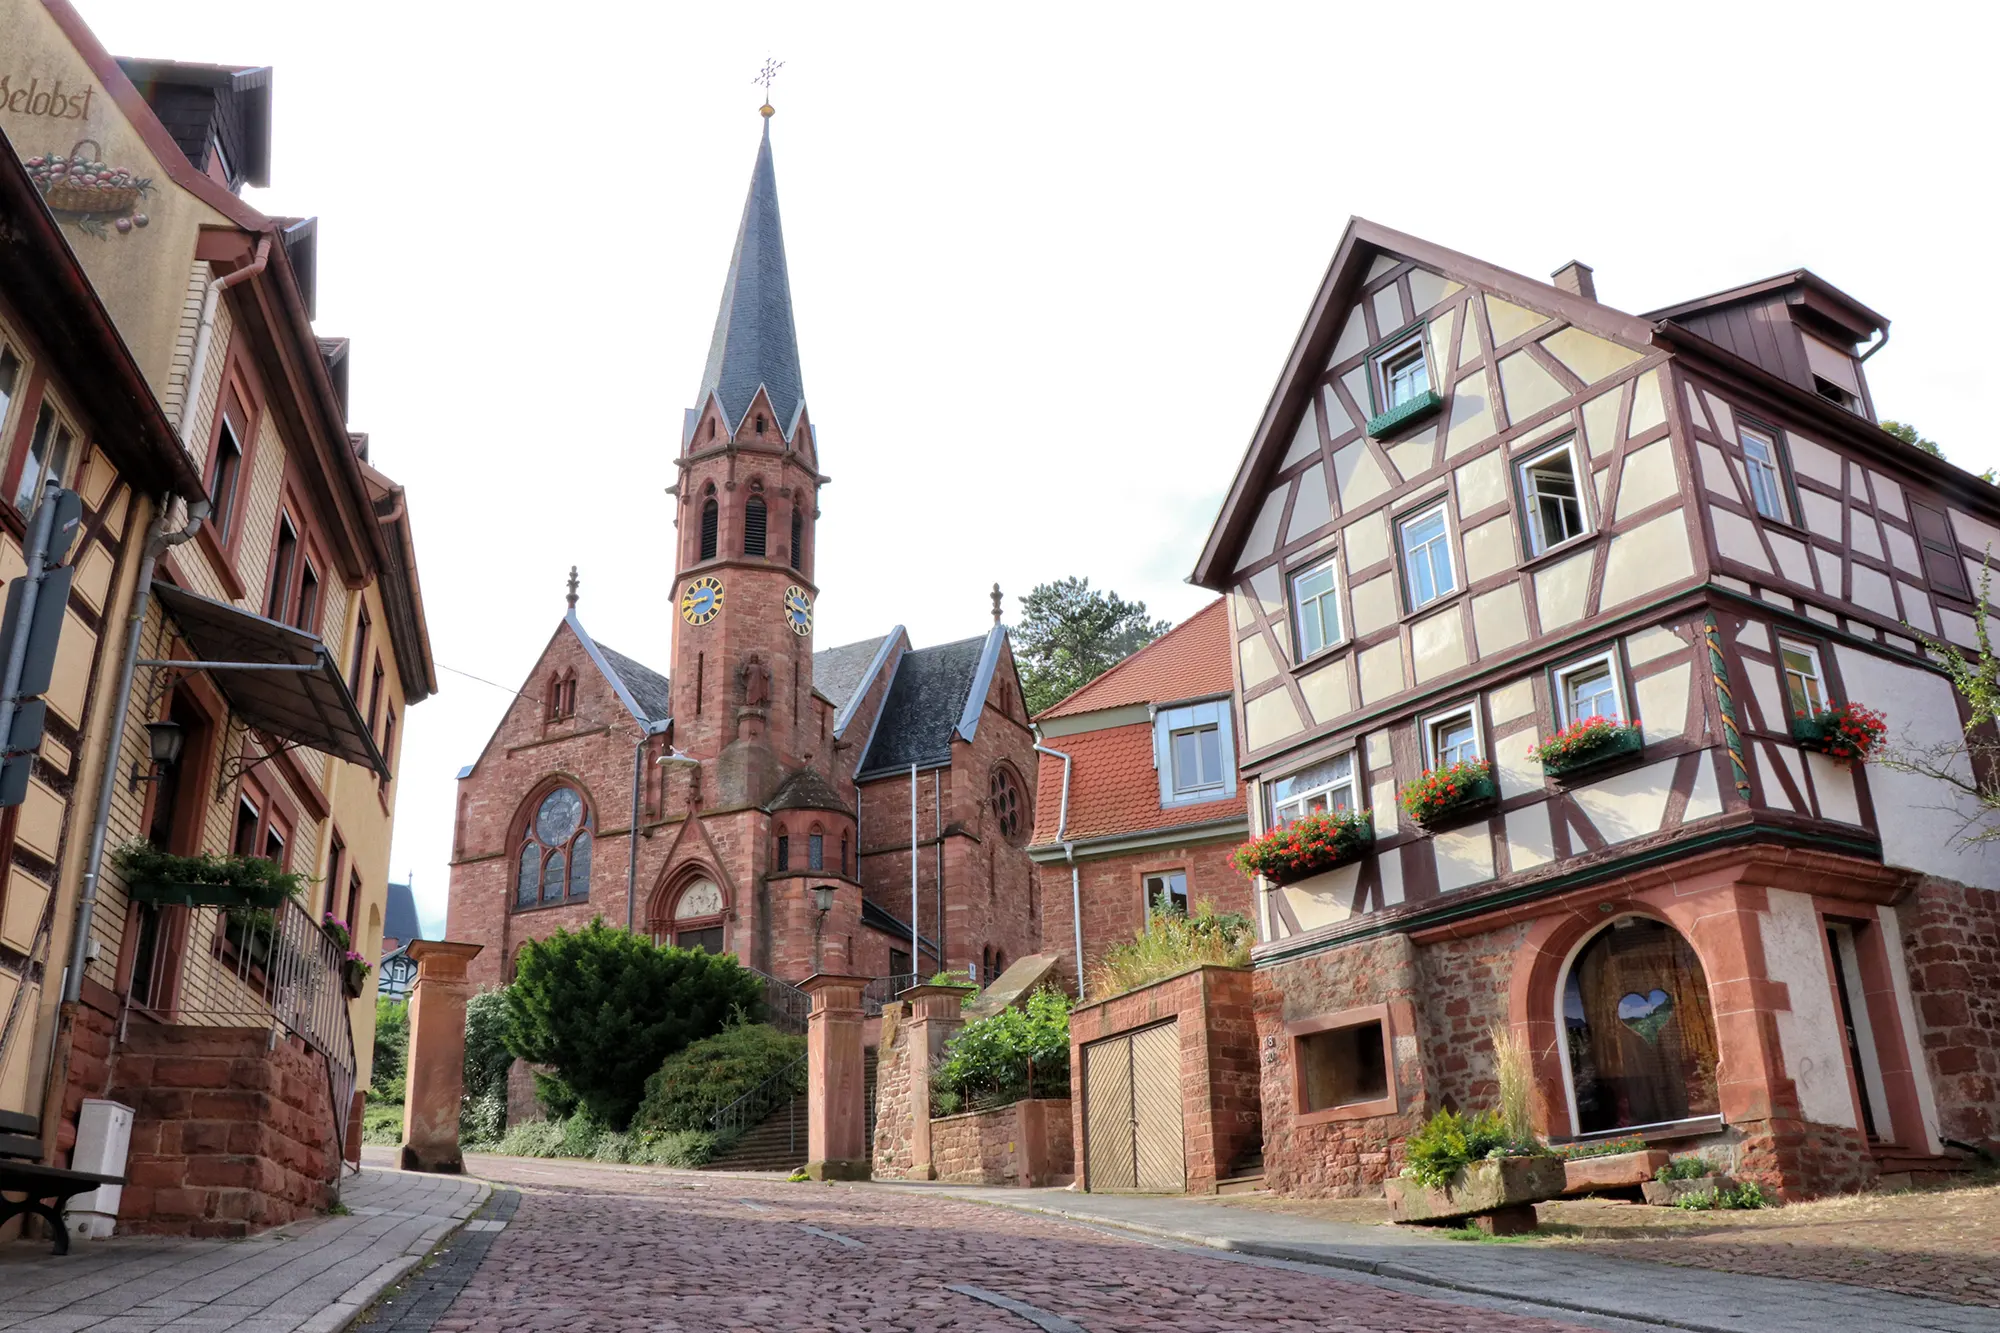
1114 787
1188 661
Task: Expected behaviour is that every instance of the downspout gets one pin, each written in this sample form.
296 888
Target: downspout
1069 852
916 940
158 541
937 833
205 332
647 730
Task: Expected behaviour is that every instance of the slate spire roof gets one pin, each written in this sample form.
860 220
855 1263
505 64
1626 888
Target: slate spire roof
754 340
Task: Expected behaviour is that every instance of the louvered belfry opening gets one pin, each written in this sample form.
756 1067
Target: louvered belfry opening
753 526
710 517
798 538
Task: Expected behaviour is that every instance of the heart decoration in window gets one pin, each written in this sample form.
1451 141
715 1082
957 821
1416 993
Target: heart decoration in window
1646 1014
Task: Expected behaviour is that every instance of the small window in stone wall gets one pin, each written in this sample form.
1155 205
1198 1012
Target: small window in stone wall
1342 1067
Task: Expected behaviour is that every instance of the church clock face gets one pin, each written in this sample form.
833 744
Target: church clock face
701 600
799 610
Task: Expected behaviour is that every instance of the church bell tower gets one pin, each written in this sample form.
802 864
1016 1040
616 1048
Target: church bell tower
747 498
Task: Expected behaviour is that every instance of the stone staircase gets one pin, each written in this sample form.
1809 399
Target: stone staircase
1245 1177
1902 1170
778 1142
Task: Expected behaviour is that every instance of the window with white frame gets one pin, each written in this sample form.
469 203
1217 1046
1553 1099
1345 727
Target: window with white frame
48 458
1552 498
1803 687
1167 892
1451 738
1316 790
10 381
1401 372
1197 758
1194 749
1316 608
1586 690
1767 487
1427 563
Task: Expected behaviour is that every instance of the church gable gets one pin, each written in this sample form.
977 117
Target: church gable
577 684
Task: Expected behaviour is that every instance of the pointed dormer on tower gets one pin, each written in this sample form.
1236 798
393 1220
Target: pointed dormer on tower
747 501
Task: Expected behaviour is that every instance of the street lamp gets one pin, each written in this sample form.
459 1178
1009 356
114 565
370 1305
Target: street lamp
822 897
163 746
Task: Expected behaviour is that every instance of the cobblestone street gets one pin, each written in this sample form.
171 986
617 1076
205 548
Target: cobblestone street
595 1248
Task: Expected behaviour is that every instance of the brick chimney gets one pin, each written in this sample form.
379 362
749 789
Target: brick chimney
1574 278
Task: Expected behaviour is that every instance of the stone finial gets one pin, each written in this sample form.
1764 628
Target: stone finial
996 603
572 587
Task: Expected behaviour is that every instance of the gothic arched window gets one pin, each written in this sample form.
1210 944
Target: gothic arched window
798 537
1008 806
554 861
698 917
711 517
754 523
1639 1027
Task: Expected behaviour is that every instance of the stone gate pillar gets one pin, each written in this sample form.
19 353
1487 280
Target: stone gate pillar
836 1115
436 1077
936 1012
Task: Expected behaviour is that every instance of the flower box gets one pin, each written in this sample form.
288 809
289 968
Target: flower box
1309 846
1445 794
169 894
1404 413
354 978
1615 1171
1588 744
1845 732
1663 1193
1507 1187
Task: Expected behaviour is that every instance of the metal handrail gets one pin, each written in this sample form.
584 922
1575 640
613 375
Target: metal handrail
754 1105
785 1004
880 991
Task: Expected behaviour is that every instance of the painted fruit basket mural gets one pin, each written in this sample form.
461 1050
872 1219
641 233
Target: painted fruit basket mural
79 187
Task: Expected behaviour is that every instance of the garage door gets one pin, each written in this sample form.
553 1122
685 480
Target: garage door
1132 1112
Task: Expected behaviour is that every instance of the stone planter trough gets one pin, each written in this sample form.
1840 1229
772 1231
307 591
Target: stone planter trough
1497 1196
1625 1170
1662 1193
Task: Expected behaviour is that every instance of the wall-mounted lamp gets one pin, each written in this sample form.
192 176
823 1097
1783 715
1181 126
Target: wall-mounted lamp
163 745
676 757
822 898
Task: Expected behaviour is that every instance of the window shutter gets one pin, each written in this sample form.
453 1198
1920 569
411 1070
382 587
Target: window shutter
1941 563
708 526
753 526
798 537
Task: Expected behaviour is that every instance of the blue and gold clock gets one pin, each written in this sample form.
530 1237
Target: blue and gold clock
701 600
799 610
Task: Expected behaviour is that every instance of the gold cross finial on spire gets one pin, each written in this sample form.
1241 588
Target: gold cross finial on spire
767 76
572 587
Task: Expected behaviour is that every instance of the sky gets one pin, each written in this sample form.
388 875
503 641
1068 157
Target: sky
1046 260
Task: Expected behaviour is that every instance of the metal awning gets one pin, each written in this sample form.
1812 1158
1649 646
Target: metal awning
277 679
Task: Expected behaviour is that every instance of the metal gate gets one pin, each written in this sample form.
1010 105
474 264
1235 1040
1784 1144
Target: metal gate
1133 1137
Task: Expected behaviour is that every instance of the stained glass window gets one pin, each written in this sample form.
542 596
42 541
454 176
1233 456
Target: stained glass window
554 864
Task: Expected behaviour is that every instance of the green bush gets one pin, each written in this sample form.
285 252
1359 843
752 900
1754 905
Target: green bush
1006 1056
382 1122
482 1120
606 1008
1436 1153
1173 941
392 1048
533 1138
684 1148
580 1135
1690 1167
482 1112
554 1095
1745 1195
692 1084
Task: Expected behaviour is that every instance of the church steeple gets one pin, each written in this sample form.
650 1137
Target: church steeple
755 343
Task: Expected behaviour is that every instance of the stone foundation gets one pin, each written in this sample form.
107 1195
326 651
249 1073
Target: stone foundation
229 1134
1027 1143
1951 943
1797 1159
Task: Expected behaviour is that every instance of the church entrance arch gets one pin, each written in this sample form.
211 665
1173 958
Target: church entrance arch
1638 1029
690 913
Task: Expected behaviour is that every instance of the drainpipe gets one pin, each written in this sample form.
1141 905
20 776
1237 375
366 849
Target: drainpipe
937 833
916 940
1069 852
198 363
158 541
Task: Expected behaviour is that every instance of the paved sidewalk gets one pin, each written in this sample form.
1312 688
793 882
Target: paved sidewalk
310 1277
1560 1280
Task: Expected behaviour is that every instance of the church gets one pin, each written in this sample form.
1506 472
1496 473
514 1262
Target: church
714 805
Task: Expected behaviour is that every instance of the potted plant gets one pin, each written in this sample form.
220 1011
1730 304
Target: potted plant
354 975
208 880
1444 792
1846 732
1586 744
1471 1167
1309 846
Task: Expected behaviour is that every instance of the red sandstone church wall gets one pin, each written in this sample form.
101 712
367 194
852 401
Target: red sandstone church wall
593 751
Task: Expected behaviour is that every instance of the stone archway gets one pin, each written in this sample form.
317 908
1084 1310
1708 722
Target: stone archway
1638 1045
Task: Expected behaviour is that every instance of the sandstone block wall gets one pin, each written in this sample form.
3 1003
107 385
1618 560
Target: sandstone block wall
1951 945
229 1136
1027 1143
1113 892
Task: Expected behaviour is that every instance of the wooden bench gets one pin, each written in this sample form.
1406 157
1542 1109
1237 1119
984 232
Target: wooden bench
46 1189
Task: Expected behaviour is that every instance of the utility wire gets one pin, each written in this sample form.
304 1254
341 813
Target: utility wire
532 698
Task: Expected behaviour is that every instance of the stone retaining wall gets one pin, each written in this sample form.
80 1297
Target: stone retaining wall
1027 1143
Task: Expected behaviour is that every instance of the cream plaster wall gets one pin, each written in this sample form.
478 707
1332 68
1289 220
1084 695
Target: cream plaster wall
1810 1031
